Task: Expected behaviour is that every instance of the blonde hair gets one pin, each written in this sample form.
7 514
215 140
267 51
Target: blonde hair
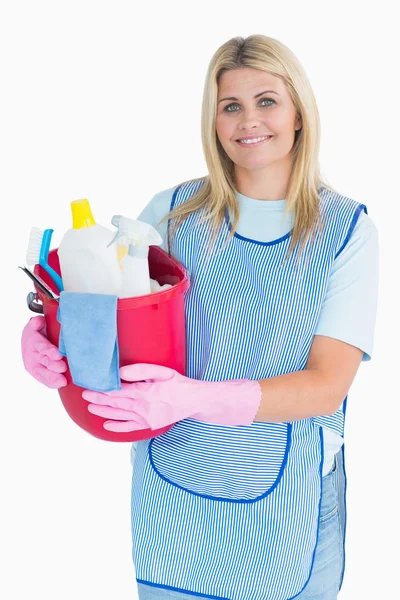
217 192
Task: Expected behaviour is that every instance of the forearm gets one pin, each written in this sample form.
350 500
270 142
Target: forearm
296 396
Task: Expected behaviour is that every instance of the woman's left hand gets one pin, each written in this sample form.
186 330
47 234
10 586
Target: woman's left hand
159 396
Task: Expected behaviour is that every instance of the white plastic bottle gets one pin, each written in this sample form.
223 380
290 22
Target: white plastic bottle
87 262
135 264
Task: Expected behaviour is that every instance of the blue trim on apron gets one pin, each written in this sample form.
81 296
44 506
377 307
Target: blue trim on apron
232 513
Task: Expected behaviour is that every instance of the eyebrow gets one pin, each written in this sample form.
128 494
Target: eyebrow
256 96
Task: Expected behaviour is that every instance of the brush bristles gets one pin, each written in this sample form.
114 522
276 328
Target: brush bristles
34 245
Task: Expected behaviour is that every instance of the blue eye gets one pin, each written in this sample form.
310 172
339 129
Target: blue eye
236 104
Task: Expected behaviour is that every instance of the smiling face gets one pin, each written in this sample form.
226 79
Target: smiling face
253 103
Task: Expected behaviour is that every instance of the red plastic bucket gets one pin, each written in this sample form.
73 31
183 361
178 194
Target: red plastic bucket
151 329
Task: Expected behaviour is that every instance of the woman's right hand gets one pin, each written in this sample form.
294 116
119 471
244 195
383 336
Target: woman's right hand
41 358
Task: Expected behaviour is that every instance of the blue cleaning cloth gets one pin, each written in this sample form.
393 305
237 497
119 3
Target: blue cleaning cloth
89 339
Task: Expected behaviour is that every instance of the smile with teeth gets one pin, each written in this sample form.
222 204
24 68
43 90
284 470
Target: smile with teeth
254 141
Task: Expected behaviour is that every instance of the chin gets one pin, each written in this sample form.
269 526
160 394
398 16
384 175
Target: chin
253 164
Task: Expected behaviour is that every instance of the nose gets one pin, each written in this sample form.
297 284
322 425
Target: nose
249 118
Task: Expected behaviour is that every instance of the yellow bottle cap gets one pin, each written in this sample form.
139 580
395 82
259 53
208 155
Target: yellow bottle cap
81 214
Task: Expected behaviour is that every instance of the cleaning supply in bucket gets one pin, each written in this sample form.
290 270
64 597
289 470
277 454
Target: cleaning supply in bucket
87 261
156 287
89 339
38 253
40 284
138 235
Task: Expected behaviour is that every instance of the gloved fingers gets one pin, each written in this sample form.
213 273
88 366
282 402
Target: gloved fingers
48 349
37 323
57 366
146 371
123 426
116 398
125 405
105 399
49 378
116 413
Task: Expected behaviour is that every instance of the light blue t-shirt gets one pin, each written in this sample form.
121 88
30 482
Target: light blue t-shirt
349 309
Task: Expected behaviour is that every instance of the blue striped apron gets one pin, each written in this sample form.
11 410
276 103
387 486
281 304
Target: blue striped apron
232 512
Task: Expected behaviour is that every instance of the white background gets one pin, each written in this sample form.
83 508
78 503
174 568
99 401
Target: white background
102 100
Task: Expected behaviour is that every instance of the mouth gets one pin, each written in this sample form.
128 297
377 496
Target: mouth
250 142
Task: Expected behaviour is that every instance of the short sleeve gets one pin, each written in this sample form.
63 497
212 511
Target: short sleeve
158 207
349 308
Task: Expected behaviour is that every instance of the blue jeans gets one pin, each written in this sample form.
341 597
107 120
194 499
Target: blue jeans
327 569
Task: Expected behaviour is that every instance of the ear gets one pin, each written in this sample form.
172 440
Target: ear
299 122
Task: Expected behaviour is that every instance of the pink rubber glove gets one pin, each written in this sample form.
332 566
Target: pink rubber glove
161 396
41 358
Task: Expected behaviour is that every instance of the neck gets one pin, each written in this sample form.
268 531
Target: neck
269 183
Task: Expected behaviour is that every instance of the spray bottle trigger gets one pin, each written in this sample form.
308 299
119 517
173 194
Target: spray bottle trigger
116 220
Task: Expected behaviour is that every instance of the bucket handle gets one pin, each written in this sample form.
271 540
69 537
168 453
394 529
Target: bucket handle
32 304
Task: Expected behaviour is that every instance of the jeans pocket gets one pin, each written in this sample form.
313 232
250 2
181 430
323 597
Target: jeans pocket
329 499
326 516
328 562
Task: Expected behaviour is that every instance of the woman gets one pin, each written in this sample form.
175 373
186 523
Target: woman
244 497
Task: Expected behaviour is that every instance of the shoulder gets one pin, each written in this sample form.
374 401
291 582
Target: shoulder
362 244
347 218
159 205
164 201
185 190
365 228
155 210
335 205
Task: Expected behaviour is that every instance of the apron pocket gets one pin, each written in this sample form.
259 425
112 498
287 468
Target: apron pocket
222 462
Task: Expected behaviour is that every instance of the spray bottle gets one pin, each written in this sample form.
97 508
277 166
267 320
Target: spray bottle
138 236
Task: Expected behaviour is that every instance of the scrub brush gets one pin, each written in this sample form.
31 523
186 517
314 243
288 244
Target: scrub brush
38 252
